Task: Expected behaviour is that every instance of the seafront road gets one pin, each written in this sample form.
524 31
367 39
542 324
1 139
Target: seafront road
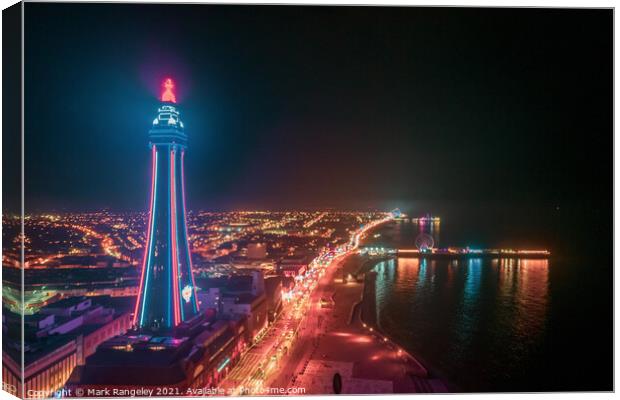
334 339
321 333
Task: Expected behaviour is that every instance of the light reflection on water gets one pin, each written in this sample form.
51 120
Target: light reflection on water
479 322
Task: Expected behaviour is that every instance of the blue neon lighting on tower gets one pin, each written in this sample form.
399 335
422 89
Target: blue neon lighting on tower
167 294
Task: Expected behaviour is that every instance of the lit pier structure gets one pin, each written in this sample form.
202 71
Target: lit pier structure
426 220
167 294
454 252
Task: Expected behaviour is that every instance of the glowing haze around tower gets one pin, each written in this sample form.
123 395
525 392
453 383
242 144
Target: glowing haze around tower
167 294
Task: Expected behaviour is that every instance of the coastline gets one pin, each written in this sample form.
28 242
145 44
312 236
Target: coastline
366 309
334 339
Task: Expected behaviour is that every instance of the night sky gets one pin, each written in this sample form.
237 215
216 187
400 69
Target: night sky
349 107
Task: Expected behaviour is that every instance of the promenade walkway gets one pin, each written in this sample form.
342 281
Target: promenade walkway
336 340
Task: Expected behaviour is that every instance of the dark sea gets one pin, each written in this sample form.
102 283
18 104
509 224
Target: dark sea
505 324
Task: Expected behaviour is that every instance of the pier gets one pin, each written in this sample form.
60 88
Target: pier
455 253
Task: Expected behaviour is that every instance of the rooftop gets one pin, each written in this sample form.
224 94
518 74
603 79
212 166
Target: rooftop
149 360
67 302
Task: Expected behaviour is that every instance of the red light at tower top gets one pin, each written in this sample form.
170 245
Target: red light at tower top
167 94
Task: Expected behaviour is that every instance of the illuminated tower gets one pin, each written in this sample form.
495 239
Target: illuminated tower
167 293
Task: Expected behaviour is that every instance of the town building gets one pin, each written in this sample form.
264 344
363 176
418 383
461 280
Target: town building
57 339
256 251
238 295
197 354
273 293
293 266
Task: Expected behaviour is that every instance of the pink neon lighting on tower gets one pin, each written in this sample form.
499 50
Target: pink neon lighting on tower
173 227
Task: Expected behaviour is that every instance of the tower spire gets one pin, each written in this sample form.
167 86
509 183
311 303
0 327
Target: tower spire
168 94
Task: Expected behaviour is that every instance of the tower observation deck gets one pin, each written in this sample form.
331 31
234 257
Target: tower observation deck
167 294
